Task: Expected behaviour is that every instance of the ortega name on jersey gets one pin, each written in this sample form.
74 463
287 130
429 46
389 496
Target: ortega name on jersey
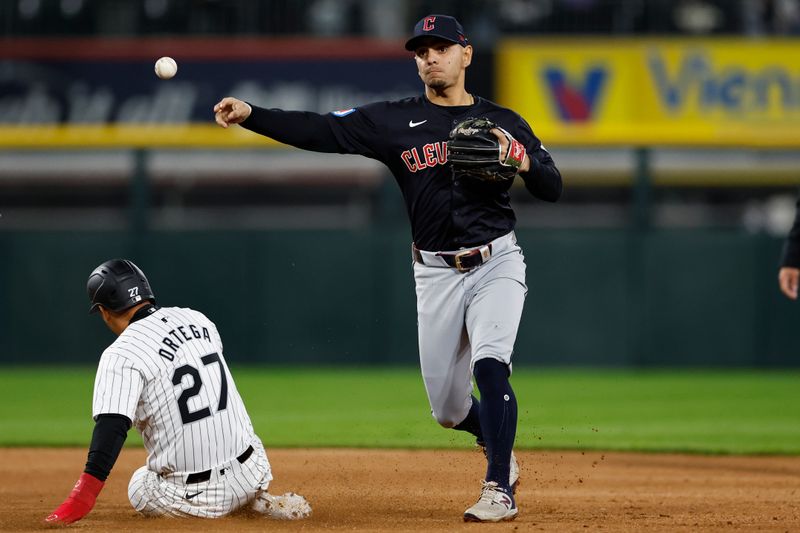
175 341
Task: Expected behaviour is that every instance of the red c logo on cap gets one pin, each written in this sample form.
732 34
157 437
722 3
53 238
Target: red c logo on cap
428 24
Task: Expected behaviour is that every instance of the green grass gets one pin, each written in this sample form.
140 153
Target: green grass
702 411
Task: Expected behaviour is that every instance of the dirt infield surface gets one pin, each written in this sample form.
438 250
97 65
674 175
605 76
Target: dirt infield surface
391 490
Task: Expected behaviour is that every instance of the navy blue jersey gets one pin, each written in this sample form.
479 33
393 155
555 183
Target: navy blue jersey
410 137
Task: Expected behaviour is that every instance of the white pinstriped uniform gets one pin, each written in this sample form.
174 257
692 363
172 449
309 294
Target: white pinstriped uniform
166 372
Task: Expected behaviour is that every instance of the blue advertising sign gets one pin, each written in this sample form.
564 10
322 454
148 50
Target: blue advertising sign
106 92
52 96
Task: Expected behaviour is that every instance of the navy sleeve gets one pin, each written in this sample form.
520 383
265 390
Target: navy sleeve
108 437
302 129
343 132
543 180
791 249
356 131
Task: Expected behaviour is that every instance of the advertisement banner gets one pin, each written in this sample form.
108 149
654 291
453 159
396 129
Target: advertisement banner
655 92
101 96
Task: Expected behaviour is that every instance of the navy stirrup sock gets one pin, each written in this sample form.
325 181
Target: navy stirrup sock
472 423
498 416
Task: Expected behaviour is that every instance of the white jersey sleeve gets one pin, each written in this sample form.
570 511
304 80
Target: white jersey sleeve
117 385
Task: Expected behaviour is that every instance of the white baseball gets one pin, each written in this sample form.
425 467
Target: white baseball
166 67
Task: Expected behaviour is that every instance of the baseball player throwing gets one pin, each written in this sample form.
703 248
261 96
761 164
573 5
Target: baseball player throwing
166 375
454 173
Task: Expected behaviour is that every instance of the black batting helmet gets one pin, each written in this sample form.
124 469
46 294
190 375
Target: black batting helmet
117 285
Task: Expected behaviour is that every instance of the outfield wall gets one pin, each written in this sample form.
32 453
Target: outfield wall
597 297
604 297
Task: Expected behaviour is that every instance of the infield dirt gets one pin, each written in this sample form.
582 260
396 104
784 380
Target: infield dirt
405 490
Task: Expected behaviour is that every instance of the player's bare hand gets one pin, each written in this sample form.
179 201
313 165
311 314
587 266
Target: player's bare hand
788 278
502 138
231 110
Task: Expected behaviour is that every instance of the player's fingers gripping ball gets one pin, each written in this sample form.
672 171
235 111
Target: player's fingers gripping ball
475 151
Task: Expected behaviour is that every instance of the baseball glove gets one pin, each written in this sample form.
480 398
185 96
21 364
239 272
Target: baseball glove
474 151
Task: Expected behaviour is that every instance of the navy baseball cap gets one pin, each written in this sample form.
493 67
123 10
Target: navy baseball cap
442 26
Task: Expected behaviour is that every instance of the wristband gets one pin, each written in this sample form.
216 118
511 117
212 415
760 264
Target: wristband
515 152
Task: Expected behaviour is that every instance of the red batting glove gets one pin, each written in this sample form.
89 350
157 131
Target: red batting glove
79 502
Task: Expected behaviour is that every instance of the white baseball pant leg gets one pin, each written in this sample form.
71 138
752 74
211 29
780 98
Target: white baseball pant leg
154 495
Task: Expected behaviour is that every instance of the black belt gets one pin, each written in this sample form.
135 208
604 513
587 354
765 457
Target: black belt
464 261
199 477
